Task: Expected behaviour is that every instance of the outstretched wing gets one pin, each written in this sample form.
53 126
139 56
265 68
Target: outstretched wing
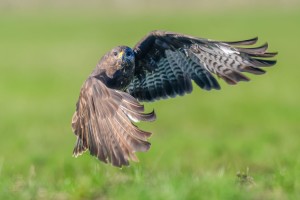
167 62
103 124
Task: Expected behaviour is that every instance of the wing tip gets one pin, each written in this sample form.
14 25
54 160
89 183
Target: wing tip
250 41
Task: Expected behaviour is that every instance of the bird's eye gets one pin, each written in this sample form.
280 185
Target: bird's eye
115 53
128 53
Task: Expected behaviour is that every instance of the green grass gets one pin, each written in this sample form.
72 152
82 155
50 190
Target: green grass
200 141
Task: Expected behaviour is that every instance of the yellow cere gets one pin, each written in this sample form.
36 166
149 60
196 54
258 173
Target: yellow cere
120 54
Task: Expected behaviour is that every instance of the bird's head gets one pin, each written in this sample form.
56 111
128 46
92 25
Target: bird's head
116 67
119 62
123 54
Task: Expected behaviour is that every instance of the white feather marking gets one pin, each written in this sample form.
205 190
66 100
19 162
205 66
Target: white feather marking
129 116
186 53
132 118
228 50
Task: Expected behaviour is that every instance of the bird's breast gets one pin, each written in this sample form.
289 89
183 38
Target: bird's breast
119 81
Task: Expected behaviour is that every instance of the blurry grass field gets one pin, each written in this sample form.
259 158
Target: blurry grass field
200 141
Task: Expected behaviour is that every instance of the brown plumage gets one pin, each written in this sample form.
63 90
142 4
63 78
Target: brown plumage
103 125
161 65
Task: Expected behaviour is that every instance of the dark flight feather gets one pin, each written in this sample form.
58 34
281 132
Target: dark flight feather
183 58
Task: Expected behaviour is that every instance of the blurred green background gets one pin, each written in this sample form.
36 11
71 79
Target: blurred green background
238 143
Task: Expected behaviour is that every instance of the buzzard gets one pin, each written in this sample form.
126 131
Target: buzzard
162 65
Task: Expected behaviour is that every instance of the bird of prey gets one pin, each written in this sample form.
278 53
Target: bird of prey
161 65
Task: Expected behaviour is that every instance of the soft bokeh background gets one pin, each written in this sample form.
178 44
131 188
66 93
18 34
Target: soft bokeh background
238 143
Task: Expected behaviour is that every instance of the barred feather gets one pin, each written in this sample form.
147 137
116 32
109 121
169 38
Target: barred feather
176 59
103 125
